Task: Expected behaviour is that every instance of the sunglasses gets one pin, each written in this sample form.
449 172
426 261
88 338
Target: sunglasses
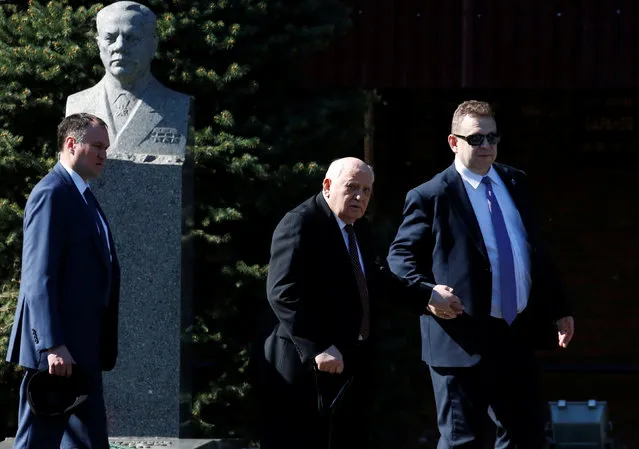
476 140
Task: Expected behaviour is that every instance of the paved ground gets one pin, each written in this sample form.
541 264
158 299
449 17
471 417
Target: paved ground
618 389
156 443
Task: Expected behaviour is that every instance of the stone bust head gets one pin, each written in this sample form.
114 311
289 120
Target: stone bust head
127 41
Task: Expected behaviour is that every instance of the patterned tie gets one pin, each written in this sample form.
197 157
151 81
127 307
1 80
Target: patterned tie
361 281
92 204
507 283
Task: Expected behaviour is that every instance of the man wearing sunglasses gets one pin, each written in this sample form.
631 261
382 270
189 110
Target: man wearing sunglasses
471 231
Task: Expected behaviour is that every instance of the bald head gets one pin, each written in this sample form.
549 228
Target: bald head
347 188
127 40
127 9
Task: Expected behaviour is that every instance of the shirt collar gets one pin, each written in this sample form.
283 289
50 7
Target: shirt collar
77 179
473 178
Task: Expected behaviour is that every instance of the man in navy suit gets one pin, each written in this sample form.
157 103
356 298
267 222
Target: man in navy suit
471 231
66 318
323 283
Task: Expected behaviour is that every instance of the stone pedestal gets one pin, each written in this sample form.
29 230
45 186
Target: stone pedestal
148 201
146 193
162 443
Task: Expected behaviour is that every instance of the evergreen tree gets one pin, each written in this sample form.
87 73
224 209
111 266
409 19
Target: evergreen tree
259 140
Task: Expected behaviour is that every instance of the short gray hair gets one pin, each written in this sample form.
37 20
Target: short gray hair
338 165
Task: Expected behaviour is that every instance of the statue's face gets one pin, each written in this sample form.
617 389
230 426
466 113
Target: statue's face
127 44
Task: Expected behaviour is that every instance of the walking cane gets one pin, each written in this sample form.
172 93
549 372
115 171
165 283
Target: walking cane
330 410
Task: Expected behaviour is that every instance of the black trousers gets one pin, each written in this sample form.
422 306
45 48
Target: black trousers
503 386
85 428
291 417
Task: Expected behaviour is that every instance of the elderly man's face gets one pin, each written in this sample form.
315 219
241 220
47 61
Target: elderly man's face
348 194
87 157
127 45
478 158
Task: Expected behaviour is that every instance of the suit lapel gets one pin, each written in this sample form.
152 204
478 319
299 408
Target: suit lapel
100 109
509 181
97 239
107 256
336 239
103 111
363 240
518 196
461 205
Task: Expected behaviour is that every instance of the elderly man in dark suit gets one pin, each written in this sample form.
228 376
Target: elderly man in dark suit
471 230
322 279
67 313
142 115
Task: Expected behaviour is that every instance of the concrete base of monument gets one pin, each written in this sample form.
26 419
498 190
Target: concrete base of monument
163 443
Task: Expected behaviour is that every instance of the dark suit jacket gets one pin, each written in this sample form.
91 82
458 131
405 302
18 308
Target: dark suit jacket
69 291
440 241
312 289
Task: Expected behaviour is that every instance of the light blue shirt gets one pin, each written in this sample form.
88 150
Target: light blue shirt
516 231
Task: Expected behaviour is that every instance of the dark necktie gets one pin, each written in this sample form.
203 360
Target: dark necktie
507 283
361 281
92 204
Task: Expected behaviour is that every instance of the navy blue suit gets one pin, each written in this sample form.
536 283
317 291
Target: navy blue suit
440 242
69 295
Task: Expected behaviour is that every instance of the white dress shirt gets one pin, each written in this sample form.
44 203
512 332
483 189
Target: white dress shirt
82 186
514 226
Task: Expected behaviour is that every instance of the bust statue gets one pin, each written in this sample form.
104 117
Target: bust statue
143 116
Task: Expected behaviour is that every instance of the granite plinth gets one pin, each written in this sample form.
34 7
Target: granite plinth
174 443
147 204
146 193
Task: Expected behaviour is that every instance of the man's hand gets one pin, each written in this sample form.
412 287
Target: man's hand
565 330
443 304
330 361
60 361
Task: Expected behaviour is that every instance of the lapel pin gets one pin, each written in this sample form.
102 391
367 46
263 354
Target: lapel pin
512 180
